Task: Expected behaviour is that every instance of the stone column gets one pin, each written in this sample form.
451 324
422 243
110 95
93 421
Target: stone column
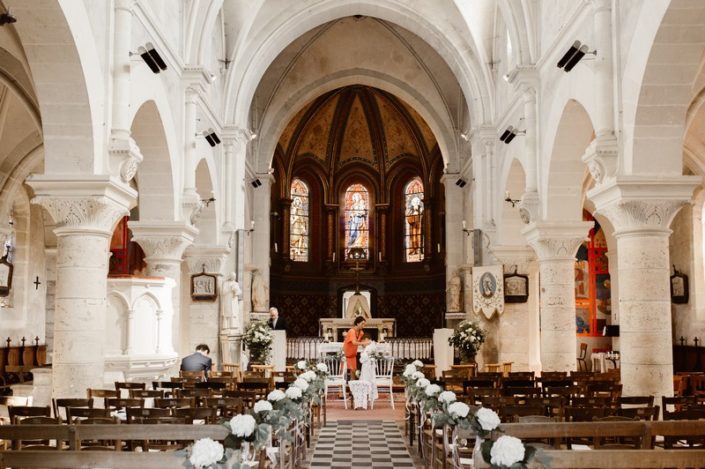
641 211
382 213
260 237
164 243
455 236
203 321
85 212
331 226
555 245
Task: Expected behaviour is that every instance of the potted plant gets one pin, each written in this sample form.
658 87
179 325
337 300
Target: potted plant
467 338
258 339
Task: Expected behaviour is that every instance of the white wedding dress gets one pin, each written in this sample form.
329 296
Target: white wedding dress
368 372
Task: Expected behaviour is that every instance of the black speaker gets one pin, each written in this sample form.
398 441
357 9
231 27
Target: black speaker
611 331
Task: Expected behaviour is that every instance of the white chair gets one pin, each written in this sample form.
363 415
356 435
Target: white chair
337 368
384 371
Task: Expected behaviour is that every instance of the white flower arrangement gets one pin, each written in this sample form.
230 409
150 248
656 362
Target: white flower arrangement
322 367
422 383
507 451
301 384
263 406
206 452
487 418
308 375
258 339
409 370
294 392
276 395
447 397
417 363
417 375
302 364
458 410
432 389
243 425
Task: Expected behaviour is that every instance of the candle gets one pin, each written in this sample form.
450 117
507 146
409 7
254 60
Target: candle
379 256
276 247
464 224
333 256
438 247
506 195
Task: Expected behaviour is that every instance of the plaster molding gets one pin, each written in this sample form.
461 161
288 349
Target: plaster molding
529 206
125 156
601 157
556 240
521 256
86 203
639 203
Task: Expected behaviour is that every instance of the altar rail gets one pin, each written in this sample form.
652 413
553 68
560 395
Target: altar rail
403 348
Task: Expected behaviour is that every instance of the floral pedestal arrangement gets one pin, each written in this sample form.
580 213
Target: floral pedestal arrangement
258 339
467 339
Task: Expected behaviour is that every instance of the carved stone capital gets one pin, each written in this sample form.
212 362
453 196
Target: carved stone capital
210 259
509 256
635 203
125 156
163 242
86 203
601 158
192 206
556 241
529 207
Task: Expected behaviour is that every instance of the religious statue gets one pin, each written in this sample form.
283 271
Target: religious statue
260 293
414 218
454 293
299 230
230 302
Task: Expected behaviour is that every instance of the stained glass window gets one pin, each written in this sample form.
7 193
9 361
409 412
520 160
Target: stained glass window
413 221
357 211
299 221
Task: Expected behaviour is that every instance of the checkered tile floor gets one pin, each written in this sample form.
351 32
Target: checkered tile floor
362 443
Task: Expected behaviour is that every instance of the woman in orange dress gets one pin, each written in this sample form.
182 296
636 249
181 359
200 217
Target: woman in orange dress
353 339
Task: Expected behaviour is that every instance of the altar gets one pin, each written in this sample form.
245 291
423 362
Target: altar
334 329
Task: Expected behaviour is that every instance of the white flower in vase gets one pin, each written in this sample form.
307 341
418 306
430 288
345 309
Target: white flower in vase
302 365
417 375
322 367
308 376
432 389
507 451
206 452
417 363
409 370
422 383
243 425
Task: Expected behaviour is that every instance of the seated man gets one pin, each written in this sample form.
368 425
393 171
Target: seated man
198 361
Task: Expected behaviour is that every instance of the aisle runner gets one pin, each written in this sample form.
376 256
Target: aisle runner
361 443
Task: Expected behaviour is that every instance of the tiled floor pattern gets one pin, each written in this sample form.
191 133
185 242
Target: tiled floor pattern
360 444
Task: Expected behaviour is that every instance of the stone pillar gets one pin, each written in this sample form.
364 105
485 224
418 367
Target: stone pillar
455 237
602 66
555 245
641 211
285 221
520 349
260 237
50 256
164 243
204 321
85 212
331 211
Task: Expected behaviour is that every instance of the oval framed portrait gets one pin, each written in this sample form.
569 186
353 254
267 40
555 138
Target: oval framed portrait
488 285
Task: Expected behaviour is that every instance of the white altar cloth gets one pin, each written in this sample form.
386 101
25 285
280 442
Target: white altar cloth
361 392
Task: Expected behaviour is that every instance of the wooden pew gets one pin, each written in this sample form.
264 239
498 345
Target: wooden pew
627 459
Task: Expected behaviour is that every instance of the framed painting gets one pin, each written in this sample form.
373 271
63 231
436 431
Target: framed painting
679 287
6 269
516 288
204 287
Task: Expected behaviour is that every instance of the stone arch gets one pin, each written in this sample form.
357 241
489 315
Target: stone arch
276 120
156 177
67 77
278 34
207 222
563 172
658 82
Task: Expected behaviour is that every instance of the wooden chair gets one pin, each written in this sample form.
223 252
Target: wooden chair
227 407
120 404
553 375
233 368
17 414
38 444
583 414
603 442
208 415
98 445
146 394
510 412
133 412
640 413
76 414
521 375
582 358
119 386
644 401
102 393
220 374
194 375
174 402
169 387
63 404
